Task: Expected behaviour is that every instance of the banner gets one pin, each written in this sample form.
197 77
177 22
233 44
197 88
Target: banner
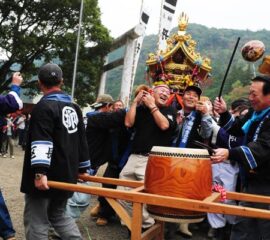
167 12
144 18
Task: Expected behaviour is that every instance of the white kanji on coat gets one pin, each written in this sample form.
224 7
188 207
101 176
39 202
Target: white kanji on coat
70 119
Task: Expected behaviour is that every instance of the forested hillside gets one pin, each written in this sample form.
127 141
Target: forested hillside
217 44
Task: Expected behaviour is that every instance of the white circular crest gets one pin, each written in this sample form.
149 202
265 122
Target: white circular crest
70 119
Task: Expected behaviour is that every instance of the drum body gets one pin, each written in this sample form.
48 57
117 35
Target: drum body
176 172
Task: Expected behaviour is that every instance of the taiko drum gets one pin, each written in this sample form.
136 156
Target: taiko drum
177 172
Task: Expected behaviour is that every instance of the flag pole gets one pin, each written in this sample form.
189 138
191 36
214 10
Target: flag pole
77 52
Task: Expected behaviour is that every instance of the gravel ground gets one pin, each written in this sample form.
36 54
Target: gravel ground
10 177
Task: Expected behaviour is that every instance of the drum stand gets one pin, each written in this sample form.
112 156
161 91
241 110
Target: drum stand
138 197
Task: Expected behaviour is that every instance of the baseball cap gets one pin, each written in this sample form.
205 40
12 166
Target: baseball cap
102 100
50 74
194 88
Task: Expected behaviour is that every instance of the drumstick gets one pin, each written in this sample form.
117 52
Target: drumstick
205 146
228 68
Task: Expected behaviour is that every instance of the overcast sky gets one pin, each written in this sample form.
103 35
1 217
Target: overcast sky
121 15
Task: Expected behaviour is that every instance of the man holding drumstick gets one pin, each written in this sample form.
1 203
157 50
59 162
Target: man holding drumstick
252 156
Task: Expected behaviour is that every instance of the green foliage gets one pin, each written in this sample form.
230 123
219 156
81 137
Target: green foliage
47 29
218 45
238 91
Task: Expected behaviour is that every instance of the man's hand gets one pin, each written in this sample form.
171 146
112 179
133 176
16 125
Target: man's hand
148 100
220 155
17 79
202 107
180 117
42 183
138 99
220 105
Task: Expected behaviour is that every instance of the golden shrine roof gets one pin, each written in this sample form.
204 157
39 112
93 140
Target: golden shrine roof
180 61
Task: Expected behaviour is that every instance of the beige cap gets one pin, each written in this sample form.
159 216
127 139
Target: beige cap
106 98
102 100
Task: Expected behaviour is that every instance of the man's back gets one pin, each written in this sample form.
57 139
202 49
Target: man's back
58 129
102 132
99 144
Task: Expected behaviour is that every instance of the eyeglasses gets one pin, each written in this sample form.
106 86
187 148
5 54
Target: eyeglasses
163 90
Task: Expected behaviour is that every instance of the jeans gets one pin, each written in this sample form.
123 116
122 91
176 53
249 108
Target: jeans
6 228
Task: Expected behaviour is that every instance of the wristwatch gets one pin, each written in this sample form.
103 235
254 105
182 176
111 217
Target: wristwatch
38 176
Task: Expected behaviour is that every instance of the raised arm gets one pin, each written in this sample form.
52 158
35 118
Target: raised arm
12 102
159 118
131 114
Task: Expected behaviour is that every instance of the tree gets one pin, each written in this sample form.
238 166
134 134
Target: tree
238 91
46 30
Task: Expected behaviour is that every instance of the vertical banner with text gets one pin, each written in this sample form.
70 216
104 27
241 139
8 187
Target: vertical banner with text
144 18
166 17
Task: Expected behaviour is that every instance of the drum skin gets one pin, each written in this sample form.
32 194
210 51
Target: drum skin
178 175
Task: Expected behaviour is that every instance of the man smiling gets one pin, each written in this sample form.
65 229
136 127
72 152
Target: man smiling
252 156
154 124
195 124
196 121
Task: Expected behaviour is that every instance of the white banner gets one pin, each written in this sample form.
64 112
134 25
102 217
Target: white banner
144 18
166 17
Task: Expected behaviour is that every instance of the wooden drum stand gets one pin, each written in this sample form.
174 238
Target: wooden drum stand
139 197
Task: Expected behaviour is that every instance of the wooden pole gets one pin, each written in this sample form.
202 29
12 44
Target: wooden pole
248 197
113 181
165 201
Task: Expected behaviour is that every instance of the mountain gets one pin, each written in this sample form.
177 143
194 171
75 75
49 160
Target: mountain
217 44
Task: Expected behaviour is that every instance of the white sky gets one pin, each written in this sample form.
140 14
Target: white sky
121 15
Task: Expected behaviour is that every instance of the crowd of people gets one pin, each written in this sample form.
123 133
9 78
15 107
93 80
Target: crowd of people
13 131
59 145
